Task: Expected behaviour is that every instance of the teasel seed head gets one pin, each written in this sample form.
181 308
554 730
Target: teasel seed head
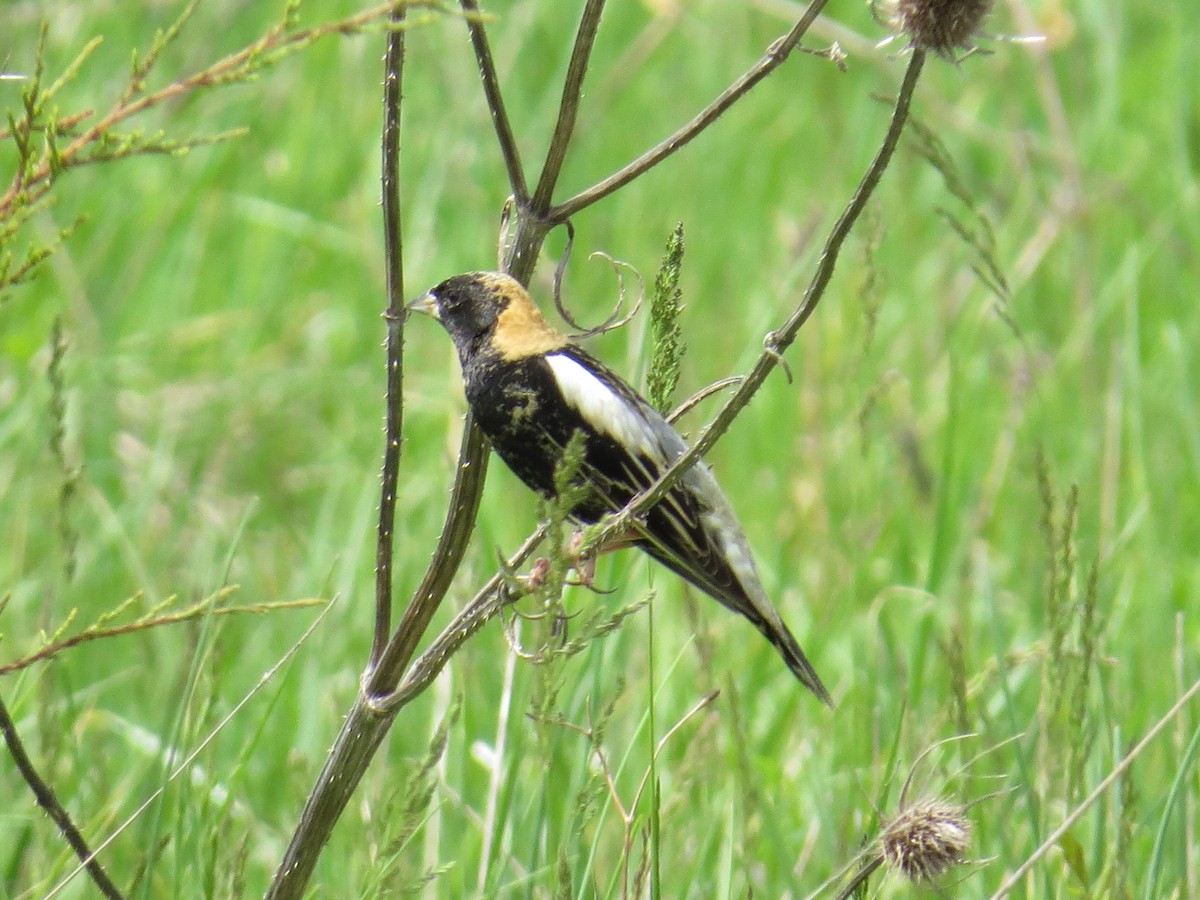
945 27
926 839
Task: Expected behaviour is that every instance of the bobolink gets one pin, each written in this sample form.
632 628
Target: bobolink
531 389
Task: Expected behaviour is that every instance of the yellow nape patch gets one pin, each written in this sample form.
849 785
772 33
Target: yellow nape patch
521 331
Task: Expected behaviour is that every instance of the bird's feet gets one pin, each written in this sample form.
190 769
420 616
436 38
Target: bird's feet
584 563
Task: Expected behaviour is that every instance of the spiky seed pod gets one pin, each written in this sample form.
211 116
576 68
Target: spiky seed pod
944 27
927 839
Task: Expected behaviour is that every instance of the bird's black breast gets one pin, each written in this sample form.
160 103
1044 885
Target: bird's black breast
520 407
516 405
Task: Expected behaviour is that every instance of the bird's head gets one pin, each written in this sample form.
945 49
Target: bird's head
489 311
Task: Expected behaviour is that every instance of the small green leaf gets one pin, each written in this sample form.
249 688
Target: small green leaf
1073 853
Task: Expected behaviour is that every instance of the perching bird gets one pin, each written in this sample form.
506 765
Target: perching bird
531 389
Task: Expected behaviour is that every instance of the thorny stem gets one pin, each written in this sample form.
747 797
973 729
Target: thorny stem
381 680
531 230
489 599
394 252
473 455
48 800
380 700
368 721
363 730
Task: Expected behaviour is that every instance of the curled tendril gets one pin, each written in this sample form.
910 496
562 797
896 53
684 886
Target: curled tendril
615 319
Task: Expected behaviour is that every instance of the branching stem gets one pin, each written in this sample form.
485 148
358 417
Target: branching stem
383 692
780 340
775 56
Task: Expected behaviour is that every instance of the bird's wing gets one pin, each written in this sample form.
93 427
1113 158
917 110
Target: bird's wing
631 446
693 530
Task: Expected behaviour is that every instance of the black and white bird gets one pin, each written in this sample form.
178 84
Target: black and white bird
531 389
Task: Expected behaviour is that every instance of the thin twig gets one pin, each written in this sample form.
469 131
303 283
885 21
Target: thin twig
495 102
778 341
775 56
393 79
96 632
48 800
568 108
703 394
661 744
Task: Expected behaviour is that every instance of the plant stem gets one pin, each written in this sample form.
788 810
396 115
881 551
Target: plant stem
568 108
495 102
778 341
48 800
393 79
775 56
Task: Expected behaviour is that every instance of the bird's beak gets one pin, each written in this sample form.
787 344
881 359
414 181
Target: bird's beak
426 304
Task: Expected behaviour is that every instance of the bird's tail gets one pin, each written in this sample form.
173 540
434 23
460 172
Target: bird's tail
695 532
782 639
750 600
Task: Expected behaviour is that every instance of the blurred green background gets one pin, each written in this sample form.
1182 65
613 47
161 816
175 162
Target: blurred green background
908 494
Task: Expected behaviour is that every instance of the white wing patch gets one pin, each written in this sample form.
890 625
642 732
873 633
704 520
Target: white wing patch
606 410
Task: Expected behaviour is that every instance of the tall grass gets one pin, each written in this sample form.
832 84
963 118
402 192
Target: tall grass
976 506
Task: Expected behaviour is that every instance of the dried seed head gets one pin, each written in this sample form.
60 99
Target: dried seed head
927 839
944 27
